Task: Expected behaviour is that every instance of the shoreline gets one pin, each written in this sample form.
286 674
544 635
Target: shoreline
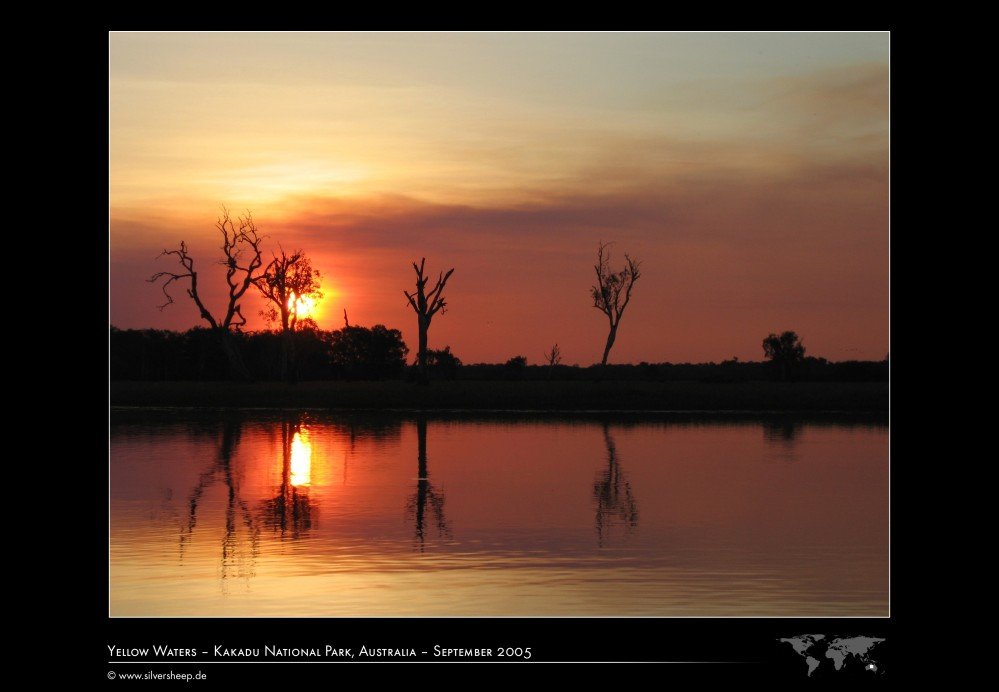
499 398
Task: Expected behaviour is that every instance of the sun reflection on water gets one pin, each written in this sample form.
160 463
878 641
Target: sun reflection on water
301 459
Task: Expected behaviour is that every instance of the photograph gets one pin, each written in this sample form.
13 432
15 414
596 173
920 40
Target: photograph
553 332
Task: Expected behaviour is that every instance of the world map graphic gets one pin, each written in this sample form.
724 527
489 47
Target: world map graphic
818 650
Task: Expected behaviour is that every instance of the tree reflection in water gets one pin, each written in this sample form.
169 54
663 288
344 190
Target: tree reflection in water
782 435
612 492
426 495
291 513
236 560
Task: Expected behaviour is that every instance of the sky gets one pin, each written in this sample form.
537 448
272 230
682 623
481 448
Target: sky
748 172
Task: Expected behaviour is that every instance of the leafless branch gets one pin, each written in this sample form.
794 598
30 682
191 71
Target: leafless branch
554 355
187 262
242 259
612 293
426 305
412 300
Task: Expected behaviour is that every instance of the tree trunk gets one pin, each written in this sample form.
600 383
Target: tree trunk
202 358
237 367
288 371
422 482
283 357
423 374
610 342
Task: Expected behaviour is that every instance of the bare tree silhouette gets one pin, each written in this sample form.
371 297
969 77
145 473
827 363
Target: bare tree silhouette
241 256
426 305
553 358
612 493
291 512
426 495
234 562
285 282
612 292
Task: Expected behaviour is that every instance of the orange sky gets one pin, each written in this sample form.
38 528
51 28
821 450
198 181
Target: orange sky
748 172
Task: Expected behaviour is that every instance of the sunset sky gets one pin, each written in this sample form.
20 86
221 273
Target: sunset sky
748 173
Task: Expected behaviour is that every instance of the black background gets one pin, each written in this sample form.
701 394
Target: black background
701 648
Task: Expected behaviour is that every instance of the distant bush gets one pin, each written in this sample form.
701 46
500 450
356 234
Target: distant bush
516 367
368 354
442 363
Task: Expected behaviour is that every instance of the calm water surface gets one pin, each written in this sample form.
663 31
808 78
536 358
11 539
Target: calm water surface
296 515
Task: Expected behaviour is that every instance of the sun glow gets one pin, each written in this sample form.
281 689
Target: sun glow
304 306
301 459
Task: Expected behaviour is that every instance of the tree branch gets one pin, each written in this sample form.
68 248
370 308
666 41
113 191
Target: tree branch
412 300
435 299
607 294
187 262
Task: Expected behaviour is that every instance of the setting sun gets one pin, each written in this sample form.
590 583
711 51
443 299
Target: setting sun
304 305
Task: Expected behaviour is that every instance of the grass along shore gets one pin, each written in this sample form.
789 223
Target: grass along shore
512 396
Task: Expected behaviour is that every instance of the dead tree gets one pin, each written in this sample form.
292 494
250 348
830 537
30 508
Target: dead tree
241 257
426 305
285 281
612 293
554 357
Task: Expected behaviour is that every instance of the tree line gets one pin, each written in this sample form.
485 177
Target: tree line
298 349
379 353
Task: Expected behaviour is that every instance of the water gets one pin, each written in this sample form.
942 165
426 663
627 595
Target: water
333 515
